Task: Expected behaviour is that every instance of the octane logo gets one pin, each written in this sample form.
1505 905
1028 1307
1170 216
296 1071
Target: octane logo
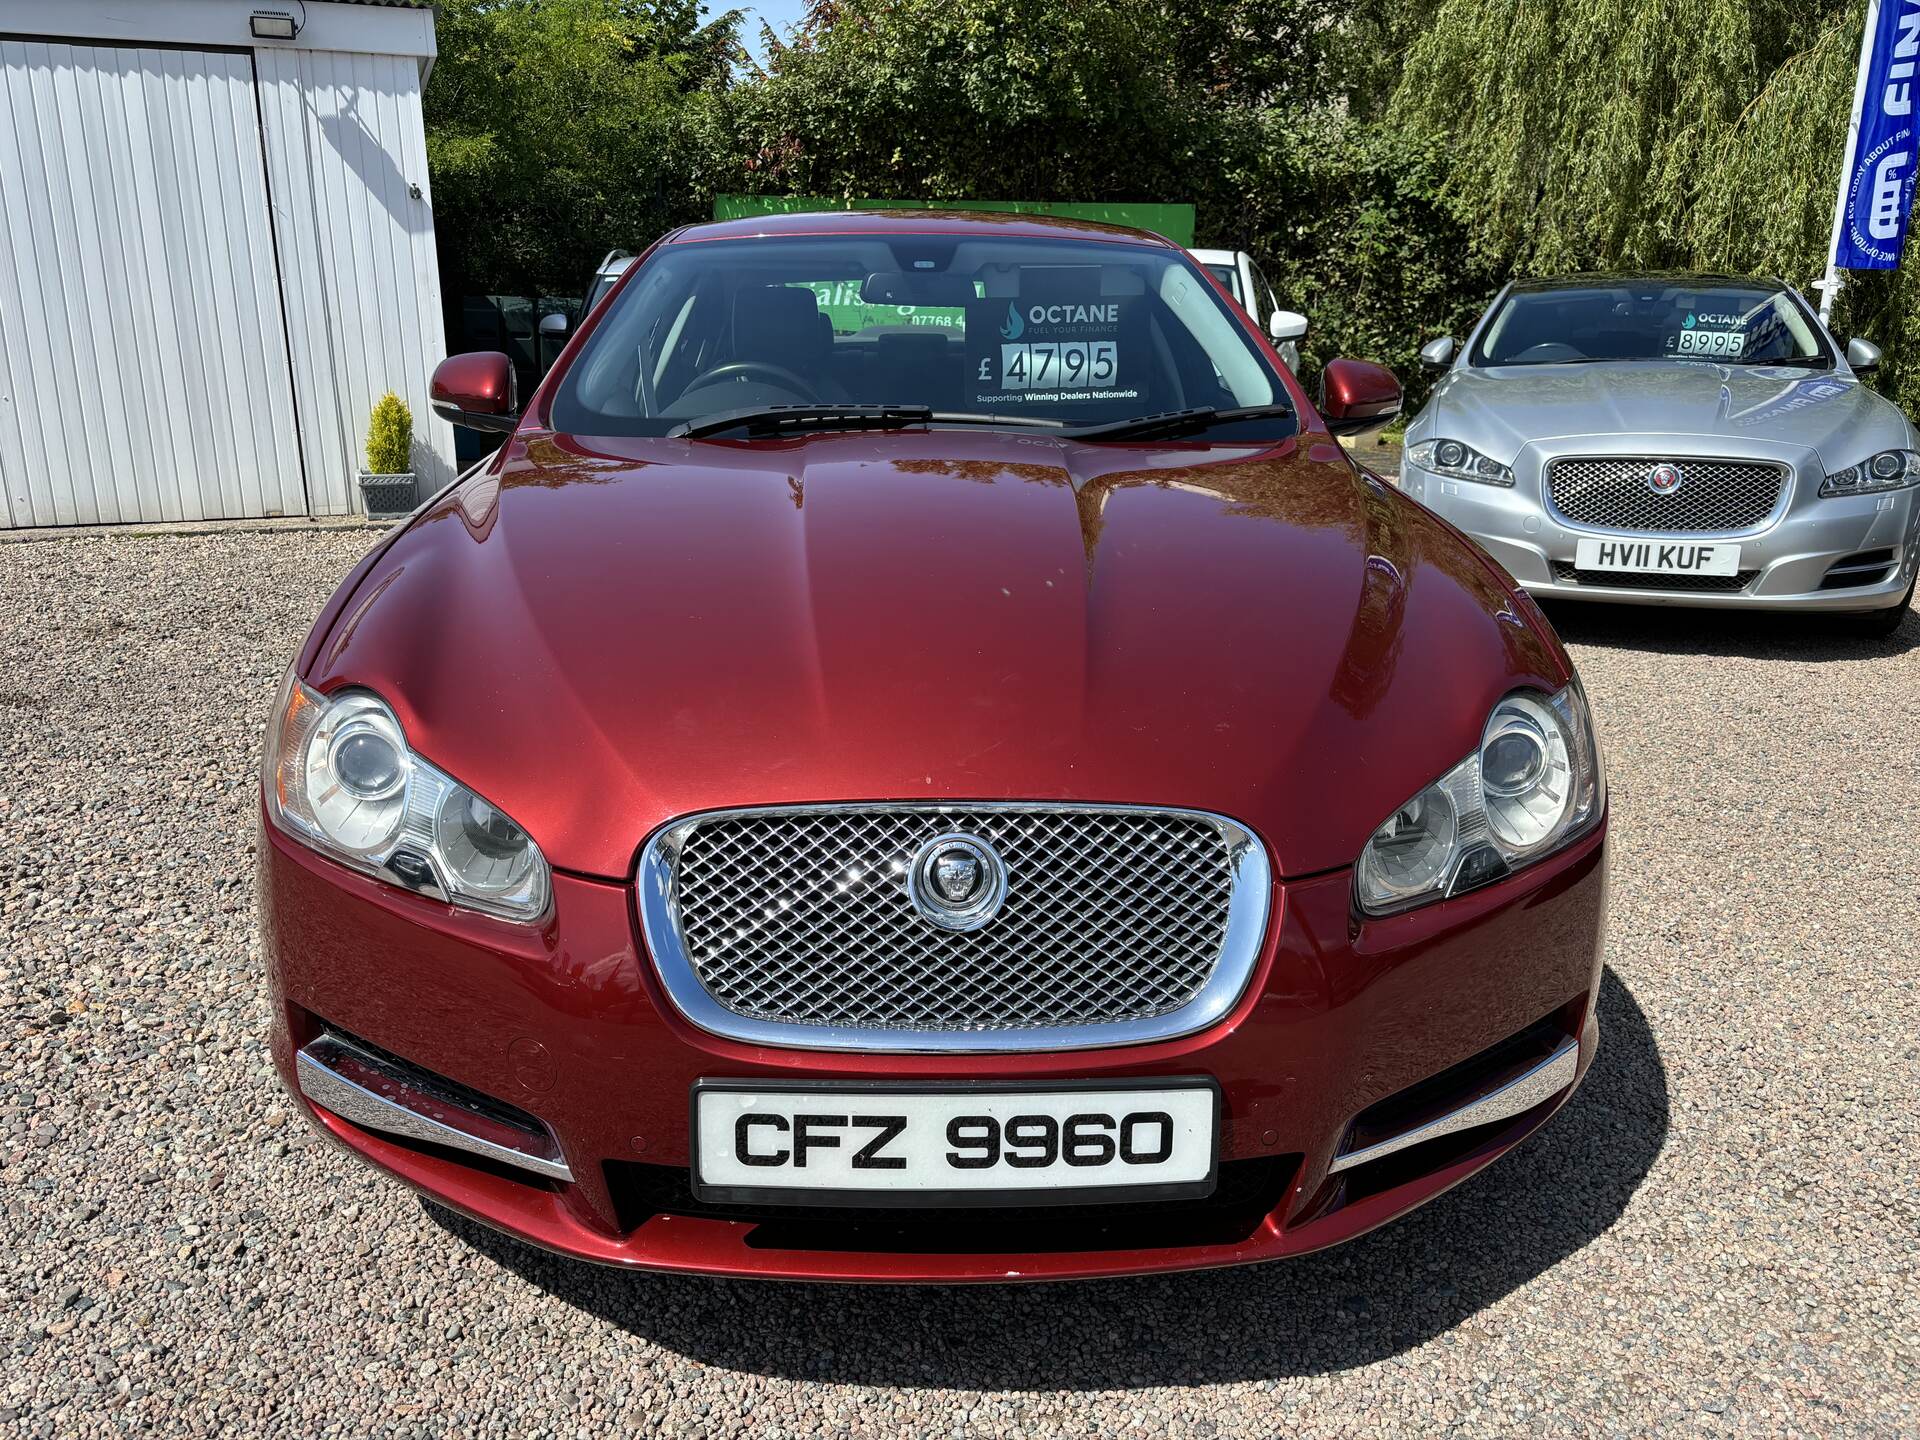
1665 479
1015 326
957 881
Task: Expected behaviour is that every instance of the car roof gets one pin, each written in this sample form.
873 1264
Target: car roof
917 222
1215 257
1639 277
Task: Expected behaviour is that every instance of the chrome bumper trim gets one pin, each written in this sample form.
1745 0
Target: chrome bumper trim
394 1115
1516 1097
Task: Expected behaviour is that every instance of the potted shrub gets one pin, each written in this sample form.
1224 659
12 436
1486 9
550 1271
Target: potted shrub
387 485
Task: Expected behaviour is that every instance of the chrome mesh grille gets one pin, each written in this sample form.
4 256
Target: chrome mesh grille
801 917
1716 495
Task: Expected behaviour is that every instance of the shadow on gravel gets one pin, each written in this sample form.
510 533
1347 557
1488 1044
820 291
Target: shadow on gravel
1359 1303
1672 630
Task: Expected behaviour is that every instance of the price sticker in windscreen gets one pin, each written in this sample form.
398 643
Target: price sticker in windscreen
1054 352
1711 337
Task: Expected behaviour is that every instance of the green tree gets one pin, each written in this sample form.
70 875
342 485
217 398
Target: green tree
390 437
1029 99
559 128
1349 222
1370 49
1034 99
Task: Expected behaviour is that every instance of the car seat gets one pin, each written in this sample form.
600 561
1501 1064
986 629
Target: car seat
783 325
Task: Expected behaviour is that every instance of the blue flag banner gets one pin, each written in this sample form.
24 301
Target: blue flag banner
1876 183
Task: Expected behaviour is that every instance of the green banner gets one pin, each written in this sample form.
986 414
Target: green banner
840 302
1175 222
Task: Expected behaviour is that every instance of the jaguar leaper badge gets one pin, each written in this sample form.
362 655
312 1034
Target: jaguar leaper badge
956 874
1664 479
957 881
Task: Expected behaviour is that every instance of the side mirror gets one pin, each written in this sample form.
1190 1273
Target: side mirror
477 390
1356 397
1438 354
1284 325
1863 355
554 324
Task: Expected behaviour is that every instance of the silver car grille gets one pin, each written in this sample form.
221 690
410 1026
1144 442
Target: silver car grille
796 926
1714 495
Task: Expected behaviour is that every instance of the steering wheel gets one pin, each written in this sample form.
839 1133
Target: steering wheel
740 369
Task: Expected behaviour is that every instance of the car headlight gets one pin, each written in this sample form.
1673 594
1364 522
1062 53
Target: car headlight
1533 786
1889 470
1459 462
339 777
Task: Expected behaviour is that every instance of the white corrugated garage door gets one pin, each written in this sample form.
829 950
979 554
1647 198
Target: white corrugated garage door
347 166
143 357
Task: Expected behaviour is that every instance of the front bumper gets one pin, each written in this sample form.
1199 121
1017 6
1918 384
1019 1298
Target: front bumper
1791 557
1347 1031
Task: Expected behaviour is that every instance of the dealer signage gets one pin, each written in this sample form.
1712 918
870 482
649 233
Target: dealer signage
1070 346
1876 183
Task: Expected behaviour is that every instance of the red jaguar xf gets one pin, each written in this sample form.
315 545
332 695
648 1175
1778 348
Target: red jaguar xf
922 759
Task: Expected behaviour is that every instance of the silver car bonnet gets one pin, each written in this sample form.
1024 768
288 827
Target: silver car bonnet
1498 410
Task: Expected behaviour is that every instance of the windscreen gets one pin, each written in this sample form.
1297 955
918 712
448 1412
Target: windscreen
601 285
1038 331
1229 276
1730 323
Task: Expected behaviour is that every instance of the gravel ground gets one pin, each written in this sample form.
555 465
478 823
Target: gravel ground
1717 1237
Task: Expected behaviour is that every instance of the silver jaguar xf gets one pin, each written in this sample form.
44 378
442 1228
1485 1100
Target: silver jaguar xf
1675 440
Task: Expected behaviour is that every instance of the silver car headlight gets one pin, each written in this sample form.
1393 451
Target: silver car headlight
1889 470
339 777
1533 786
1458 462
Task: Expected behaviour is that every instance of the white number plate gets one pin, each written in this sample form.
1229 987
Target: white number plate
1657 557
968 1145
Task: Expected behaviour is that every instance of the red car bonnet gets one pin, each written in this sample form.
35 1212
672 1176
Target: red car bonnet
616 632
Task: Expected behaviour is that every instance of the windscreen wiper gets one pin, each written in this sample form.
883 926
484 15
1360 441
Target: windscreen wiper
791 419
1178 422
1797 362
764 420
